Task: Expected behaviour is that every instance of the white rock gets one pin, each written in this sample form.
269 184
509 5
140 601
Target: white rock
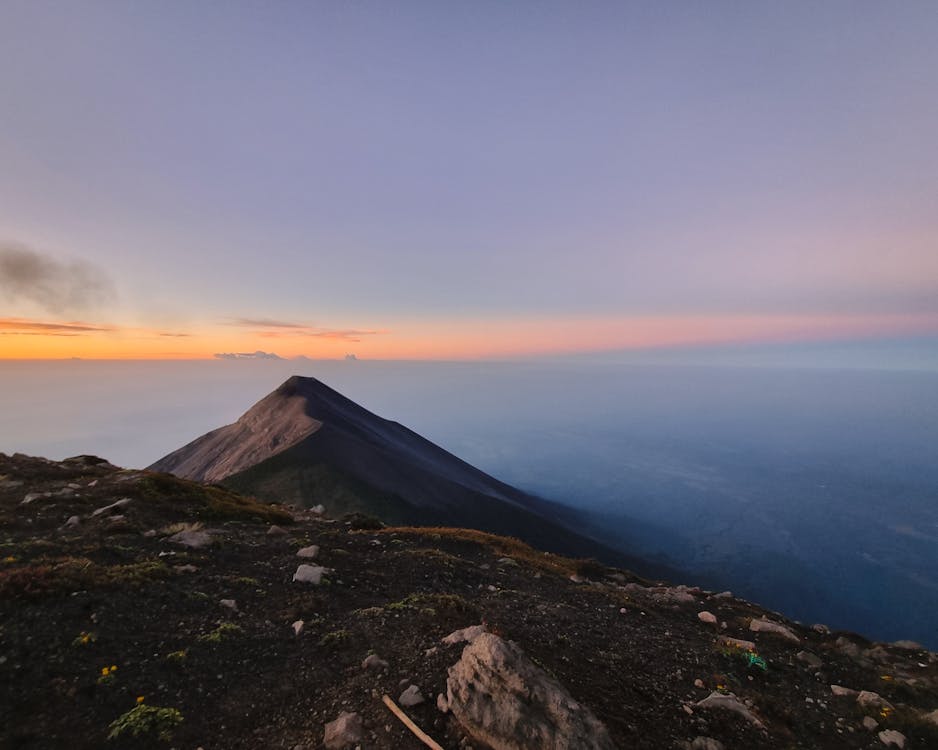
343 732
698 683
275 530
766 626
309 574
33 496
870 723
73 521
229 603
373 661
707 617
411 697
467 635
297 627
318 509
892 737
308 552
729 702
122 503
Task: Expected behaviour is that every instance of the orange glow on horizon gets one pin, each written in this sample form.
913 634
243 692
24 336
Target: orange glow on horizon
443 339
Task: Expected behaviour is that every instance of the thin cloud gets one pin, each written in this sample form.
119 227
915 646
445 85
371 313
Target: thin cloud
262 323
25 327
55 286
274 329
174 335
247 355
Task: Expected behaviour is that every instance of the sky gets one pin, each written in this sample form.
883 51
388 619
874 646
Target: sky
456 181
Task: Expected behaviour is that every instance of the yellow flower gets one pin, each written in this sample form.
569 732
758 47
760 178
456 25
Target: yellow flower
104 671
139 699
113 669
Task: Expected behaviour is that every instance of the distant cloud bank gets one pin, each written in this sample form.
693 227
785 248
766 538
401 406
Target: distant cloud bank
247 355
281 328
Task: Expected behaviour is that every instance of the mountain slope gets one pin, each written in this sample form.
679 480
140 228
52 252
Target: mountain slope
308 444
128 592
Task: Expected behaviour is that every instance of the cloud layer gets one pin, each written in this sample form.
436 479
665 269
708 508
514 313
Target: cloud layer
55 286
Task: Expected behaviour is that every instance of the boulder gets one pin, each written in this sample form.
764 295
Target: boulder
501 698
308 552
841 691
707 617
870 701
344 732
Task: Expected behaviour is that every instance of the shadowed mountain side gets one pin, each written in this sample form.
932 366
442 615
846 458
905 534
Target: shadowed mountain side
307 444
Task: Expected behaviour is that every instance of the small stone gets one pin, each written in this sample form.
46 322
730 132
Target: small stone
723 595
122 503
766 626
507 561
870 723
623 611
870 700
187 568
149 534
707 617
308 552
73 521
821 628
843 692
309 574
32 496
577 579
297 627
343 732
318 509
706 743
275 530
698 683
729 702
932 717
373 661
411 697
441 703
891 737
229 603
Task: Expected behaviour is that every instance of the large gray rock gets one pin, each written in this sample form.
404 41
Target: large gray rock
767 626
309 574
502 699
192 539
729 702
344 732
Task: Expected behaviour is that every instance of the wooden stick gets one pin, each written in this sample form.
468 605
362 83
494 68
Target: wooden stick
405 719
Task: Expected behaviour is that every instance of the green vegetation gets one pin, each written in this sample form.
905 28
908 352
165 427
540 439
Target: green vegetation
177 657
67 574
143 719
335 639
208 502
223 632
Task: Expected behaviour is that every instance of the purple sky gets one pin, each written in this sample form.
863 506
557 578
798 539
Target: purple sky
489 167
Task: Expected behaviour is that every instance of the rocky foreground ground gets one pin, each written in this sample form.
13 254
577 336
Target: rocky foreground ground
138 610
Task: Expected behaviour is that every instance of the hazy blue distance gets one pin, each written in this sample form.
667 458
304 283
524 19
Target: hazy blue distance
811 491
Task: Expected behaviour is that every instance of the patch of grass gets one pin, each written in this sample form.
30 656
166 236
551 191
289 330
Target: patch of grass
66 574
223 632
501 546
246 581
433 605
177 657
208 502
144 720
335 639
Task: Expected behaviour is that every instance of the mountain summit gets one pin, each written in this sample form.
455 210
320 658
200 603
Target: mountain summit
309 445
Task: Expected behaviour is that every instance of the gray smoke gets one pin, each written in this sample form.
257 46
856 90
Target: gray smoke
58 287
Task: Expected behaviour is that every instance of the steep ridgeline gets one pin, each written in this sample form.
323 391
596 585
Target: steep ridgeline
309 445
